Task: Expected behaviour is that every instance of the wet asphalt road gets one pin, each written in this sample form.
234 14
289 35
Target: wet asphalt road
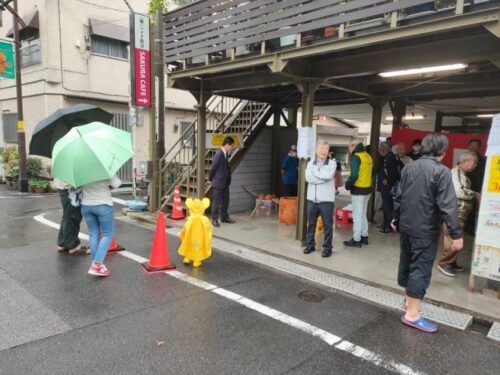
56 319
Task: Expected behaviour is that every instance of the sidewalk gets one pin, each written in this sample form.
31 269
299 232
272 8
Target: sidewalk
375 264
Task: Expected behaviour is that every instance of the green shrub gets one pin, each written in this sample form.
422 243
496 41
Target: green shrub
9 154
39 184
34 167
12 169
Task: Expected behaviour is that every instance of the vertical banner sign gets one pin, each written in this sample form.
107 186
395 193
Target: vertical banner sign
141 77
7 64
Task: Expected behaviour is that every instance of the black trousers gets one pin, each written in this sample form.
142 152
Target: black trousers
70 223
220 203
415 263
325 209
387 206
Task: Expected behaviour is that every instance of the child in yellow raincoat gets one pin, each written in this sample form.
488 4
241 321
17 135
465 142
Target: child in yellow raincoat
196 235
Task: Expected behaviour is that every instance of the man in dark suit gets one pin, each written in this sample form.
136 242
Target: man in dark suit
220 179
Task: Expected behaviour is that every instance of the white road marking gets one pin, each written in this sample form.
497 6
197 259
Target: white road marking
374 358
41 219
123 202
22 196
289 320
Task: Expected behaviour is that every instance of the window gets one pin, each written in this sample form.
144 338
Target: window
30 46
187 139
101 45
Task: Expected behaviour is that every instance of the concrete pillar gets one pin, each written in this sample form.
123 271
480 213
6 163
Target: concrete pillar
377 106
308 89
275 160
201 130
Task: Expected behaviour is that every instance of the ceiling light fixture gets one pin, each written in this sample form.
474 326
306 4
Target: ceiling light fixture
428 69
486 116
408 118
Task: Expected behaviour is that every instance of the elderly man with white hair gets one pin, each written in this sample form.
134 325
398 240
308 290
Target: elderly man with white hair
465 202
320 197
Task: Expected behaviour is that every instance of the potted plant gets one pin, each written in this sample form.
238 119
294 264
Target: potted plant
34 167
10 161
12 171
39 186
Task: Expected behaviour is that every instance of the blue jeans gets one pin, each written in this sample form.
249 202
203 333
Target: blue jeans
99 220
325 209
359 208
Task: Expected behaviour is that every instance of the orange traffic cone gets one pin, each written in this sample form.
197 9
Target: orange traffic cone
113 246
159 260
177 211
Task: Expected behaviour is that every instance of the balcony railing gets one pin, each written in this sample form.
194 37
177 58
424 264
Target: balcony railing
212 31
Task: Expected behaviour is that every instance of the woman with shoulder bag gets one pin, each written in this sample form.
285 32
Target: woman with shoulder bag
465 202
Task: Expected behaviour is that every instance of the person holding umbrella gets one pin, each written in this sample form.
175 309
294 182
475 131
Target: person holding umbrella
47 132
88 157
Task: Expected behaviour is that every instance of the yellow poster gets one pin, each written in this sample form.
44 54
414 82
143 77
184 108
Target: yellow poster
494 175
215 140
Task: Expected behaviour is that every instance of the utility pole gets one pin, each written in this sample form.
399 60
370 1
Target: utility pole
21 136
159 72
154 188
157 112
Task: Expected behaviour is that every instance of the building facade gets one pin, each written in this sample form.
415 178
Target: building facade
77 51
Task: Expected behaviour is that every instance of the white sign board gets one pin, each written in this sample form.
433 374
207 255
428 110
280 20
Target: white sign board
486 257
494 137
306 142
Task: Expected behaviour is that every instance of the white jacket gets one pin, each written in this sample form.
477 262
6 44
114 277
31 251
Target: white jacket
320 178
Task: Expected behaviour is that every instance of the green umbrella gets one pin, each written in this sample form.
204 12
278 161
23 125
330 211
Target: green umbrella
90 153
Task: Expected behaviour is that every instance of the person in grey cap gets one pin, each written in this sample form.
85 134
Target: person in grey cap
290 172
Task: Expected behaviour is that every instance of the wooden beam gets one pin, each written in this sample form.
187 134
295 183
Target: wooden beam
466 49
288 124
201 130
308 89
275 149
377 107
346 89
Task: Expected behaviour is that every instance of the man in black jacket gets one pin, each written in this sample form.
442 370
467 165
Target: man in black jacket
388 177
427 198
220 179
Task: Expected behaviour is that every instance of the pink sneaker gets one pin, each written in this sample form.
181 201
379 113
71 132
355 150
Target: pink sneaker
98 269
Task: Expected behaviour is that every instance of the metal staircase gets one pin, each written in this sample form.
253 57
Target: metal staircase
224 115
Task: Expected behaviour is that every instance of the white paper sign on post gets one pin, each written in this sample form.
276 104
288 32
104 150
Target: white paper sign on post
306 142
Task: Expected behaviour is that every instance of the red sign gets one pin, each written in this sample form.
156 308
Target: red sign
142 68
456 141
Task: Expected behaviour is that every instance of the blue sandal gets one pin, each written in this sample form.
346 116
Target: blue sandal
421 324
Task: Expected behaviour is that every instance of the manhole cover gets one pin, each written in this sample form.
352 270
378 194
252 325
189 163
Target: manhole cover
309 296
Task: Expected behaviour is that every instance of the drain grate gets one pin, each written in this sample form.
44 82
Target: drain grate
309 296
